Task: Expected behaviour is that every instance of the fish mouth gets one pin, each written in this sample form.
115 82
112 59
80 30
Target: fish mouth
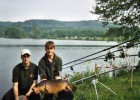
35 90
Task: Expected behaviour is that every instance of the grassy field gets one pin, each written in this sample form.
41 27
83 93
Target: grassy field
120 84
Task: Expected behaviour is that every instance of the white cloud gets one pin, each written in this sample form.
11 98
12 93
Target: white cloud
71 10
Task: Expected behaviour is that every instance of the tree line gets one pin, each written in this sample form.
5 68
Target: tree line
77 34
52 29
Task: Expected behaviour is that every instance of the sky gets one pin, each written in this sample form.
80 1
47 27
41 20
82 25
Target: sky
62 10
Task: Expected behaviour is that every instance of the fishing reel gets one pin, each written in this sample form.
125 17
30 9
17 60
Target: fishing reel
123 53
109 56
129 45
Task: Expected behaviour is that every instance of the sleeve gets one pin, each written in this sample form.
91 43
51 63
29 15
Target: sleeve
15 75
41 67
36 73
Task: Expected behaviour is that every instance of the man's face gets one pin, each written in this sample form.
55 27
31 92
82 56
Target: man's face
25 58
50 51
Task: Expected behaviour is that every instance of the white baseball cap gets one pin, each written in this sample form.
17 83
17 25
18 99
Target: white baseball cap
25 51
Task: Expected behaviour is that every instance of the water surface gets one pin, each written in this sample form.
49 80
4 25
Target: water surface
10 50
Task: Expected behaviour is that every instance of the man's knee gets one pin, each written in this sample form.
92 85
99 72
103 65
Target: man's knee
9 95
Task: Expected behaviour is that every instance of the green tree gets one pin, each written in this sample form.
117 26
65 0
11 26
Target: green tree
35 31
124 13
14 32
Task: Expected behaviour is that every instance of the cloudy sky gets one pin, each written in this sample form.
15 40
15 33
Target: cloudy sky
64 10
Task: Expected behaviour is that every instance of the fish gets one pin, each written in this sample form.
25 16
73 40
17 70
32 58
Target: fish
53 87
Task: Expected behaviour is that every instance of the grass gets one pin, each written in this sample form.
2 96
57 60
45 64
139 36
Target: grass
120 84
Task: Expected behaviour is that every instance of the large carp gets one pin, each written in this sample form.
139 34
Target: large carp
53 86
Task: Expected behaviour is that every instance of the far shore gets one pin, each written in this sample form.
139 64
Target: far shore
40 42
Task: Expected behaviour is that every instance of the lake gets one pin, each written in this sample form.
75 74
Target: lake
68 50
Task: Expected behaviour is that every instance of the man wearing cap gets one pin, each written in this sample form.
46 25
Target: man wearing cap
24 78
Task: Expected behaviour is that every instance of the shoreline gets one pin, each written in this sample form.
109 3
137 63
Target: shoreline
41 42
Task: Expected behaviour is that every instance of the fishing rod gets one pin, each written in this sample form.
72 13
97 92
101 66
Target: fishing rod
102 50
90 59
120 57
109 55
123 54
92 76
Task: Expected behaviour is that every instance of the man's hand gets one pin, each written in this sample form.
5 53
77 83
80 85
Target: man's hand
58 77
36 90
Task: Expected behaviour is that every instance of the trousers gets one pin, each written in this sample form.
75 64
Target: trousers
9 95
